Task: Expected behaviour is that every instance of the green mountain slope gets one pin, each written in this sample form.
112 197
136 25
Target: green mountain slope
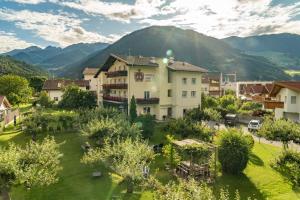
282 49
186 45
8 65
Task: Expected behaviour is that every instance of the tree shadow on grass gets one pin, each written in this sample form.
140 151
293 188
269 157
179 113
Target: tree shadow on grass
254 159
238 182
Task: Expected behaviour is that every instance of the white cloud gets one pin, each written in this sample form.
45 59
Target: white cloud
230 17
28 1
9 41
64 29
141 9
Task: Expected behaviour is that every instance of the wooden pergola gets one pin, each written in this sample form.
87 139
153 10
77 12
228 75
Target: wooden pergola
191 167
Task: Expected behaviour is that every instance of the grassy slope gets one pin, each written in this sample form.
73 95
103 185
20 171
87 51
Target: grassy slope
76 181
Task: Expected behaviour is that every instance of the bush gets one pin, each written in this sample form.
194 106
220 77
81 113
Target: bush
250 141
289 164
233 151
44 100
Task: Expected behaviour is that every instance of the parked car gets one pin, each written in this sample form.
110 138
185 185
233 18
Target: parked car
254 125
231 120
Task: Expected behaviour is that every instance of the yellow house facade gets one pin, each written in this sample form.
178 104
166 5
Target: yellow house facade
163 88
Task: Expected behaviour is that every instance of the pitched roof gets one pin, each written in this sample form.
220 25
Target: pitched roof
3 100
147 61
184 66
90 71
59 84
292 85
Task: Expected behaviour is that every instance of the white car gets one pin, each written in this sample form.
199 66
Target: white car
254 125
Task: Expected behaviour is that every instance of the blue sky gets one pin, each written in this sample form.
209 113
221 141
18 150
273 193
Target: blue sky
64 22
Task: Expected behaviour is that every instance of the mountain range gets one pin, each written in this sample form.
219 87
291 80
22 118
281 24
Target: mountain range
263 57
56 57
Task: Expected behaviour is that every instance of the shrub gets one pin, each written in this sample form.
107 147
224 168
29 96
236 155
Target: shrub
233 151
250 141
44 100
289 163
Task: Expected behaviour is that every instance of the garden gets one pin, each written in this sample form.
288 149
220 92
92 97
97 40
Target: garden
75 150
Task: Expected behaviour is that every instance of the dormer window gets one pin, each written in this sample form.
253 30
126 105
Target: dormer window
59 85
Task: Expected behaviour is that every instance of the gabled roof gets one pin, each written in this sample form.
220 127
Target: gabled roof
149 62
128 60
90 71
59 84
4 100
184 66
292 85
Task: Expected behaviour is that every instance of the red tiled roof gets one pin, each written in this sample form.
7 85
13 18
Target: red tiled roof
269 87
59 84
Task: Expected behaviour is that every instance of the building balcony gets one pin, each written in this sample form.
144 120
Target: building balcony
147 101
273 104
117 99
115 86
116 74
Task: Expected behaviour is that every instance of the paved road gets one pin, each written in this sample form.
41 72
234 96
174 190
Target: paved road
262 140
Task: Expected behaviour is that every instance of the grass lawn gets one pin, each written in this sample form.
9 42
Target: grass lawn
259 180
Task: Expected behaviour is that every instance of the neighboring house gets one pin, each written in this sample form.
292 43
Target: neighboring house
211 84
7 114
166 89
88 74
5 106
55 88
287 100
254 90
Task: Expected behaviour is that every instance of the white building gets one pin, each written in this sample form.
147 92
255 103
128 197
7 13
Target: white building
287 103
163 88
55 88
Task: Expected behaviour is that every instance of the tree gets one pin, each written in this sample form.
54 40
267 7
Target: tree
15 88
208 101
37 82
188 190
280 130
127 158
148 125
233 152
44 100
37 164
132 110
75 98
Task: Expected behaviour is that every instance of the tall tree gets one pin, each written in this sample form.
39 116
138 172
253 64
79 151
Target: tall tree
35 165
132 111
75 98
15 88
37 82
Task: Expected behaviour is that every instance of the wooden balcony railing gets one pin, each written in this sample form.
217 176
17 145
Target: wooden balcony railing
147 101
117 99
115 86
116 74
273 104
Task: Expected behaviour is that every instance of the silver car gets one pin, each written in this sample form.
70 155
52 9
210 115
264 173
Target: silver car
254 125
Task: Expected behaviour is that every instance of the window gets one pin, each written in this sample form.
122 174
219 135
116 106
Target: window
293 99
147 110
146 95
169 77
169 93
184 80
169 111
184 112
55 98
193 93
184 93
193 81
